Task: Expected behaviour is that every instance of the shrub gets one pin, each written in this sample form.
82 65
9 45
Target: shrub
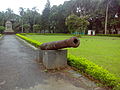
93 70
49 34
2 28
33 42
117 87
110 35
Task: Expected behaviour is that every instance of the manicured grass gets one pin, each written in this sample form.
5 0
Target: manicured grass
103 51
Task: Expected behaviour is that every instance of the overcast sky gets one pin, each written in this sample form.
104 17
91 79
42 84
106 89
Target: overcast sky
15 4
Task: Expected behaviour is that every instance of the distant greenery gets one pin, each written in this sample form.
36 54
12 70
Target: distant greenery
36 28
110 35
76 24
53 17
103 51
2 28
26 27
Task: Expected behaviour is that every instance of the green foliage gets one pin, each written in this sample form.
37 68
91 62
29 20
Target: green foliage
51 34
72 21
110 35
33 42
76 24
29 16
2 28
117 87
26 26
114 22
45 24
93 70
36 28
0 35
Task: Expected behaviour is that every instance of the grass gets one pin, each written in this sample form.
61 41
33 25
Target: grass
103 51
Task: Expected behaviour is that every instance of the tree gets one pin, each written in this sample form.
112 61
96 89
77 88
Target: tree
36 28
76 24
45 17
111 8
26 27
22 12
9 14
30 17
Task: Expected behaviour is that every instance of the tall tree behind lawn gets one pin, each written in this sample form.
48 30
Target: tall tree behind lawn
45 17
22 12
76 24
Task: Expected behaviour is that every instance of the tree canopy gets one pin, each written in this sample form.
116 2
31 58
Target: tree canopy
53 18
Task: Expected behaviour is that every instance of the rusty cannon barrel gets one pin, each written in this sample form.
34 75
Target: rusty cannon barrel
72 42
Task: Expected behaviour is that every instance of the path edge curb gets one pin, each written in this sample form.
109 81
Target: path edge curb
28 44
1 37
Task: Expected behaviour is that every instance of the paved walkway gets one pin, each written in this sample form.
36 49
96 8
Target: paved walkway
20 71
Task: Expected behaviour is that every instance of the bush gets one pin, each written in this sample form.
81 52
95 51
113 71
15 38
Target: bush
2 28
33 42
110 35
117 87
93 70
48 34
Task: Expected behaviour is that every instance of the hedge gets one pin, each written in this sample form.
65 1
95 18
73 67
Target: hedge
93 70
33 42
0 35
110 35
87 67
48 34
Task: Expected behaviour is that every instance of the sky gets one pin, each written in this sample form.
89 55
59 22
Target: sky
15 4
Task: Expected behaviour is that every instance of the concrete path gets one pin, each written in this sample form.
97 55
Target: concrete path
20 71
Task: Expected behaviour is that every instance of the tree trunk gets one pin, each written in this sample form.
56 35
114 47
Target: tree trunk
106 18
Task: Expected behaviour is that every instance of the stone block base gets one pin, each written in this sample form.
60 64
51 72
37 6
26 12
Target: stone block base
53 59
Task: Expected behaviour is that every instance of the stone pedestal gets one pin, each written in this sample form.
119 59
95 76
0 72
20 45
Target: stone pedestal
40 56
8 28
53 59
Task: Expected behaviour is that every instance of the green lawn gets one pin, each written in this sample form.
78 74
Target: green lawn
104 51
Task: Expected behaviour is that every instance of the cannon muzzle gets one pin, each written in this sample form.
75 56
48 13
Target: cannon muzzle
72 42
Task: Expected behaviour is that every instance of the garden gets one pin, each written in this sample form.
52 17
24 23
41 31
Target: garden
95 22
96 56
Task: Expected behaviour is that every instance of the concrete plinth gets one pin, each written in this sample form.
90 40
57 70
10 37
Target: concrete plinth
40 56
54 58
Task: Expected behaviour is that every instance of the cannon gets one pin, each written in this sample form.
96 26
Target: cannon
72 42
